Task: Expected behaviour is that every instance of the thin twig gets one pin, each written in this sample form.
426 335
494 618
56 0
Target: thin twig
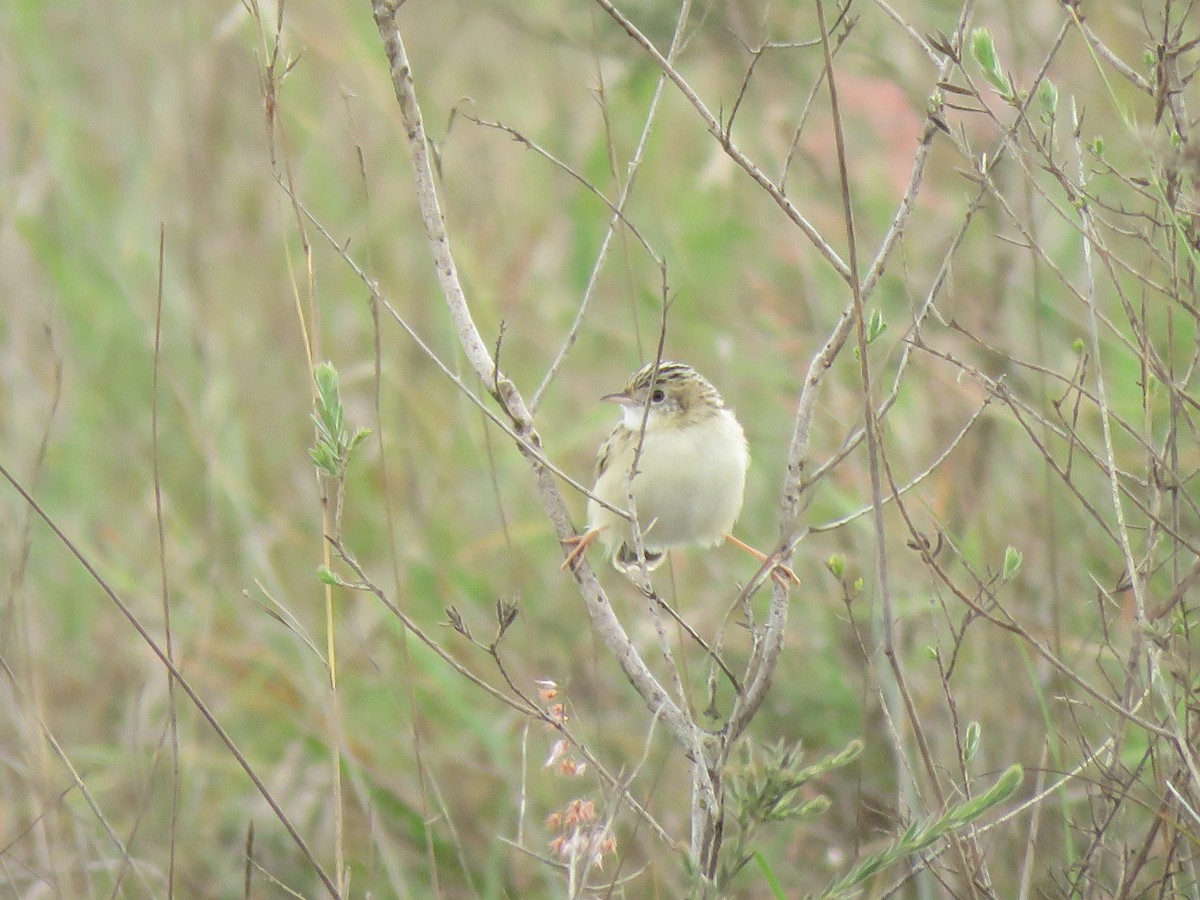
731 149
183 683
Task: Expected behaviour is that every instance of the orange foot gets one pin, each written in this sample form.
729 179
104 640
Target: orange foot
578 544
781 573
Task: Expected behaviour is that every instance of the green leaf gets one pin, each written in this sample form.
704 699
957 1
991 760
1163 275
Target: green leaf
326 576
983 49
326 377
921 835
325 458
1012 561
814 807
1047 95
971 741
836 565
876 326
852 751
772 881
334 444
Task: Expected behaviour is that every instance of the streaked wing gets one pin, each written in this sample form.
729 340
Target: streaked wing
606 451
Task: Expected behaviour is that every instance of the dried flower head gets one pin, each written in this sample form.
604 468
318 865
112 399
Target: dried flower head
558 750
571 767
547 689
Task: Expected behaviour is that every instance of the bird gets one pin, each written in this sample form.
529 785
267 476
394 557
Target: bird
684 453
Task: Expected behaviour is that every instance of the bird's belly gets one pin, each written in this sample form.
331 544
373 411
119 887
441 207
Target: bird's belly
688 488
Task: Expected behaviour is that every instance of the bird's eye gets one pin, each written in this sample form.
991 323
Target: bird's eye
658 396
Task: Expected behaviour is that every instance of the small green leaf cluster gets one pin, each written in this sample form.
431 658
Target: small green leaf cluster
1012 562
334 443
876 326
983 49
766 789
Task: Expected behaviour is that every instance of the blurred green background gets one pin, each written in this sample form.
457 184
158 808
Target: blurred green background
116 123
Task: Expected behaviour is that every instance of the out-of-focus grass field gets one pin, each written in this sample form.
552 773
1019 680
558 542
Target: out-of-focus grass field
119 121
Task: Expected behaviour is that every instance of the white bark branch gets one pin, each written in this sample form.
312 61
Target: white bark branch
502 389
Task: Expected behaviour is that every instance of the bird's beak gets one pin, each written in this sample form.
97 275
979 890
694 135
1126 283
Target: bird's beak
619 397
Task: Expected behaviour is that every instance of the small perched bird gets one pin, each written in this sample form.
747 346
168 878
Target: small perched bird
688 480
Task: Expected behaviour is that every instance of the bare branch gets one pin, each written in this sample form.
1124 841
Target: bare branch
506 394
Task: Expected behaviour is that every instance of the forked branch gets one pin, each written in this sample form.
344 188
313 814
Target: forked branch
501 387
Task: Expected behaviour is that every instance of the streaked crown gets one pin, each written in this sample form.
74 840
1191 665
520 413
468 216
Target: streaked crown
672 387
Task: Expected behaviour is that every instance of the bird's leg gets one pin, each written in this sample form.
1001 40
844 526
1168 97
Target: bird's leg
579 544
779 572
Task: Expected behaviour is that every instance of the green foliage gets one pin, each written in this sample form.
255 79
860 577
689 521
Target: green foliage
876 326
922 835
764 790
983 50
1047 95
1012 561
768 873
971 742
334 443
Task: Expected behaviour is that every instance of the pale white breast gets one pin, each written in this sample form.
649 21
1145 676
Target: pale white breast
688 489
